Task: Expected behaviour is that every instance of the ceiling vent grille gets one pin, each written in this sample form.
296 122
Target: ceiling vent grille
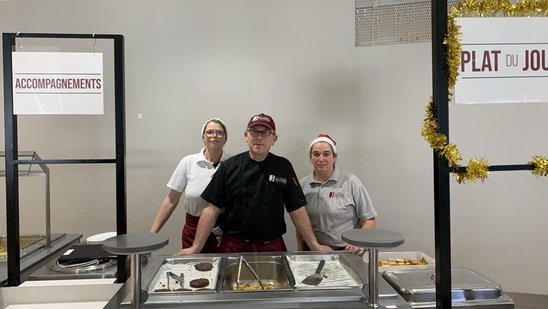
390 22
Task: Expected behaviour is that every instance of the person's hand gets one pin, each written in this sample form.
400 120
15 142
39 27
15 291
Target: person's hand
322 248
186 251
354 249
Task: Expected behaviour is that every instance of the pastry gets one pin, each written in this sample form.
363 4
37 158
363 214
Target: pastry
199 283
204 266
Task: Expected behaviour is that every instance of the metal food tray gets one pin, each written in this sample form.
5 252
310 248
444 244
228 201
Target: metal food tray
337 272
185 266
385 255
419 285
270 269
25 242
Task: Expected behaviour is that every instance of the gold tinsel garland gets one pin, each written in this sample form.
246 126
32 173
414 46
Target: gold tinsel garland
540 166
477 169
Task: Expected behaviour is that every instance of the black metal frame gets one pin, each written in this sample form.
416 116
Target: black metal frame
11 144
442 214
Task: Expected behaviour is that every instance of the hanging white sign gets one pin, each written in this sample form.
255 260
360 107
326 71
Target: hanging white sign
57 83
503 60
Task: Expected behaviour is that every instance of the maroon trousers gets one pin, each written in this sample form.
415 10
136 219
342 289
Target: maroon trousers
230 244
189 232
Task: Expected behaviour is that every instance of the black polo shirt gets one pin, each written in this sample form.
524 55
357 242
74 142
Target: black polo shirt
253 195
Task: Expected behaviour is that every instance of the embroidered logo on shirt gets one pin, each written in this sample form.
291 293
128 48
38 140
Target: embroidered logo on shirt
276 179
336 194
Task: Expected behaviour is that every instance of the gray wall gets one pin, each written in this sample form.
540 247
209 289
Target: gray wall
187 61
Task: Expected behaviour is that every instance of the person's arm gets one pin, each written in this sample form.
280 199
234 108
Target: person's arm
302 224
205 226
369 223
364 206
166 209
300 243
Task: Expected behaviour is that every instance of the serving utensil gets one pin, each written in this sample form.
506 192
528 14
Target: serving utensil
316 277
239 272
180 279
244 261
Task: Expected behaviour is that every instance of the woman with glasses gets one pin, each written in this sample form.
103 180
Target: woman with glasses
253 190
191 177
337 201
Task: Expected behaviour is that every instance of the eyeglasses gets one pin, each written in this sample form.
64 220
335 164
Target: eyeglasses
211 133
264 134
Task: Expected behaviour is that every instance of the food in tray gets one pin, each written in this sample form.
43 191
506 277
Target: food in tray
162 290
402 262
251 286
204 266
334 273
182 275
247 274
24 242
199 283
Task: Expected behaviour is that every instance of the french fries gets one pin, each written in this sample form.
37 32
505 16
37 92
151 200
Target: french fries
402 262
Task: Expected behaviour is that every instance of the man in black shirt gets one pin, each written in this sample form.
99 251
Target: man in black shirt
251 190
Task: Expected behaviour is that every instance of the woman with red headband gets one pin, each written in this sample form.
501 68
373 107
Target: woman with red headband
336 201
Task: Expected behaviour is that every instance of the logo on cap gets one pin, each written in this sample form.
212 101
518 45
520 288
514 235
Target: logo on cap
263 120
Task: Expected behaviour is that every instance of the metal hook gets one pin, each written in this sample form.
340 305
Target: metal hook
94 42
20 40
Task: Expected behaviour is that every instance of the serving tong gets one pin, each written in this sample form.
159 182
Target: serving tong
180 279
244 261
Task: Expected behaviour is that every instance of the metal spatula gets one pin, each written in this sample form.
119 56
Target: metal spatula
316 277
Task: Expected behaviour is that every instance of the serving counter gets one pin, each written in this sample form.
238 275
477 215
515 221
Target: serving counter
171 282
281 274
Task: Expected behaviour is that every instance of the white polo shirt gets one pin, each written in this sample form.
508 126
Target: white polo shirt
336 206
191 177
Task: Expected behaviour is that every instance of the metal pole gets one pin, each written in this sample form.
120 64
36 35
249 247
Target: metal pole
136 280
12 171
373 276
121 190
45 169
442 214
48 212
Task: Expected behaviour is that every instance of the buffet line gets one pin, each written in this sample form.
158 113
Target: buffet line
302 280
